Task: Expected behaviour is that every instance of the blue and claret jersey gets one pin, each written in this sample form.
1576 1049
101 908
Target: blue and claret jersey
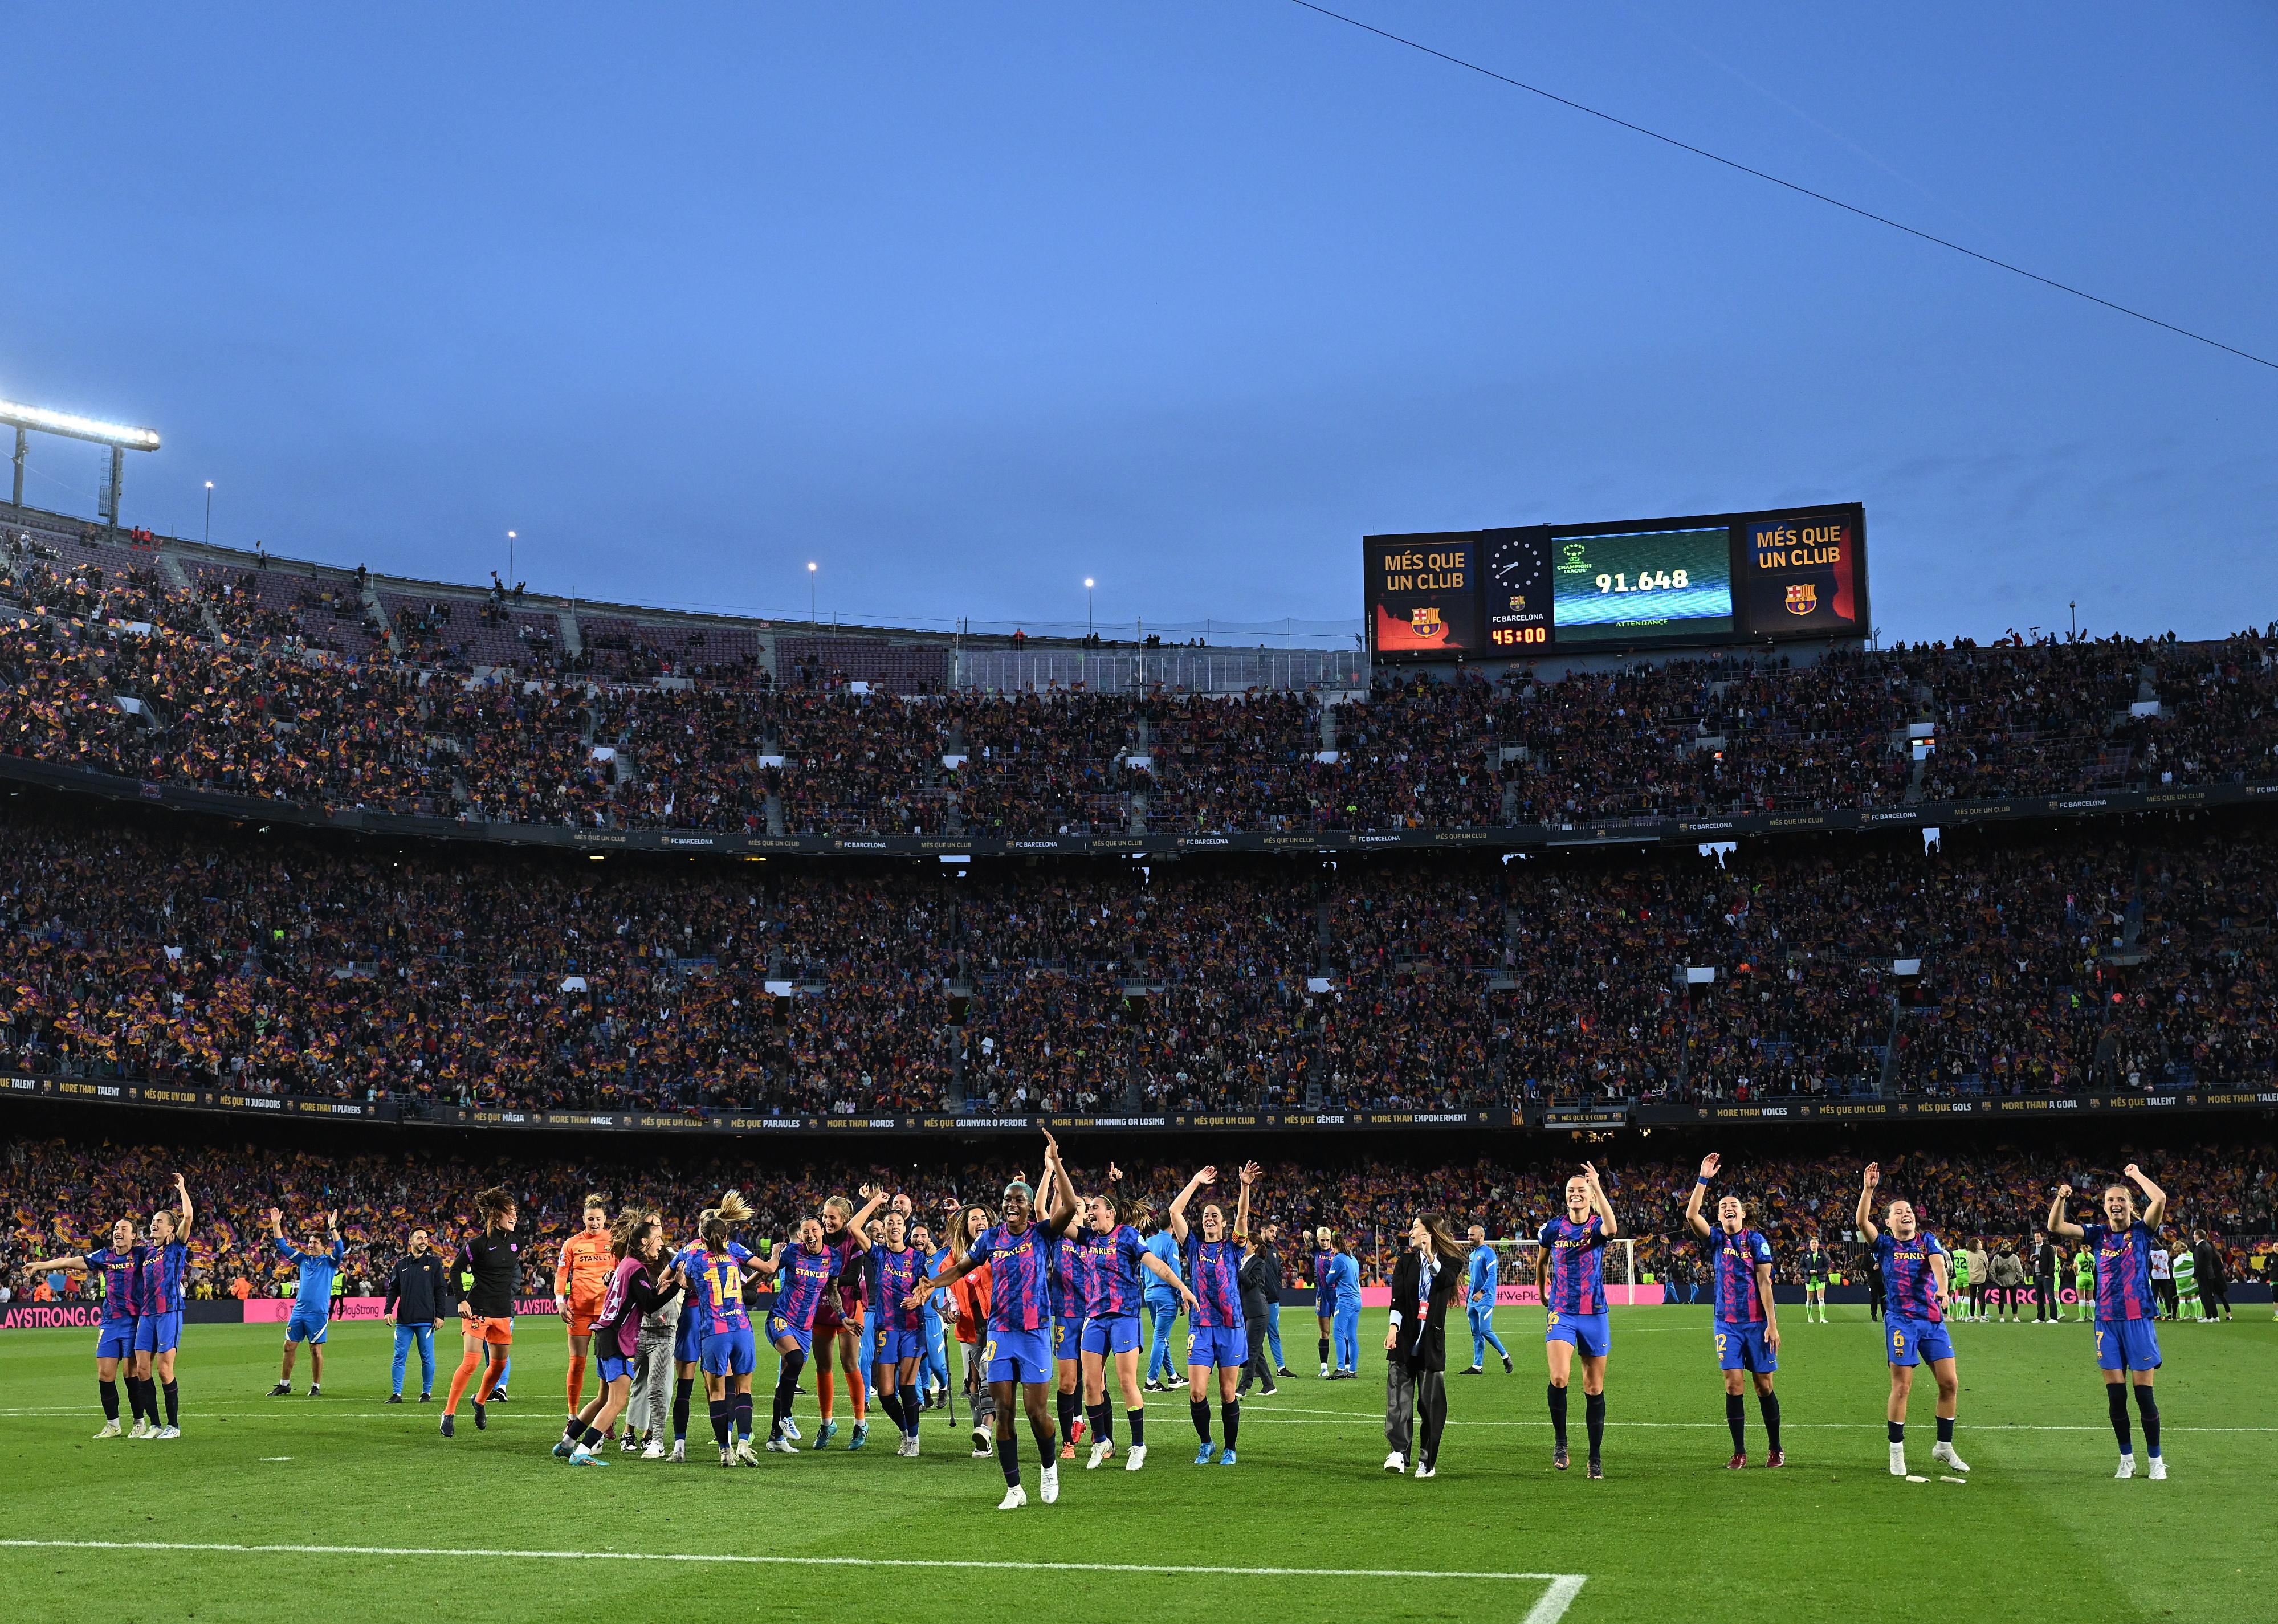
890 1276
1066 1276
1735 1257
1909 1283
1325 1281
845 1294
318 1271
1483 1276
715 1288
162 1278
1020 1294
1110 1260
1577 1264
1214 1275
122 1272
804 1281
2123 1271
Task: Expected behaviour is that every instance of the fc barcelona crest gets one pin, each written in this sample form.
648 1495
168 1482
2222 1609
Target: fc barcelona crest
1803 598
1427 623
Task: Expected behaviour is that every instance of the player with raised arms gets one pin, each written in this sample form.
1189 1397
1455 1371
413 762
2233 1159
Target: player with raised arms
838 1328
1915 1295
806 1270
1482 1280
2127 1346
1216 1338
1066 1283
1570 1272
1110 1254
581 1278
120 1264
312 1300
1017 1361
491 1265
158 1327
891 1267
1746 1322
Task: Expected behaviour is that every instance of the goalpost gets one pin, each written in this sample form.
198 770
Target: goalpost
1515 1267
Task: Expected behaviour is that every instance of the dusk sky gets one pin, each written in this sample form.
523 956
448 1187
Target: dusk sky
968 302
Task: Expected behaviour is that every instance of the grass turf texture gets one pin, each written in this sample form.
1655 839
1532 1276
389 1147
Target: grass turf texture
1668 1533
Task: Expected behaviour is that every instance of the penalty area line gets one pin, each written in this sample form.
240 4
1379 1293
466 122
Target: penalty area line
1562 1588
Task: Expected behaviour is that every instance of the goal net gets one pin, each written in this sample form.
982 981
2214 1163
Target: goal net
1514 1261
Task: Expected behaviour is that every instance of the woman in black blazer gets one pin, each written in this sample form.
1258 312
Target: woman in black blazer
1424 1283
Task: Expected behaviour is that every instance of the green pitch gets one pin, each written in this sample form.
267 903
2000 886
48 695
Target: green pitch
391 1521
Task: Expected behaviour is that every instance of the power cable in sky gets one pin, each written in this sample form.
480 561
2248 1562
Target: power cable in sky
1836 203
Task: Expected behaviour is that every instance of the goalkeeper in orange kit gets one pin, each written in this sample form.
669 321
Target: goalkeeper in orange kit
581 1280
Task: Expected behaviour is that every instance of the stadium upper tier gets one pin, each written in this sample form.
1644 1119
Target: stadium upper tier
331 690
1999 964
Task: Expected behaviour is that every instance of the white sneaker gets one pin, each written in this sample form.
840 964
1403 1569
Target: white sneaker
2126 1466
679 1455
2158 1468
1015 1498
168 1432
1325 1372
1137 1459
1100 1452
790 1429
654 1450
141 1430
746 1455
1424 1471
109 1429
1943 1453
1049 1487
1395 1462
1898 1459
985 1441
727 1457
913 1446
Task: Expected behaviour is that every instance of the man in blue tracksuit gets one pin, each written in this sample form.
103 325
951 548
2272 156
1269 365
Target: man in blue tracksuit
1345 1274
312 1303
1481 1281
1161 1301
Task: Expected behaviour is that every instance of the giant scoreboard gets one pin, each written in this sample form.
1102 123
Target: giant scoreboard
1718 578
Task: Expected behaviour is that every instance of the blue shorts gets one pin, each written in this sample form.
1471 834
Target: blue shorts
1014 1356
116 1339
1112 1333
687 1346
1913 1341
889 1346
614 1369
1070 1343
1324 1307
158 1333
1592 1337
730 1353
308 1325
779 1326
1742 1347
2126 1345
1225 1347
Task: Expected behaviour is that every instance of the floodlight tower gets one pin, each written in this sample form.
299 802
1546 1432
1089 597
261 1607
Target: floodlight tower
118 436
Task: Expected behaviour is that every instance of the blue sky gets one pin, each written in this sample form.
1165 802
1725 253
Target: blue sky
968 302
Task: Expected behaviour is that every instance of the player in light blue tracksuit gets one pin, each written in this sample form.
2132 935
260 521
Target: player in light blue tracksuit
312 1303
1162 1303
1483 1278
933 1361
1345 1274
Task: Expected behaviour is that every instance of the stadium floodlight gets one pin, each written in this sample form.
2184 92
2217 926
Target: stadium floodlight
77 428
118 435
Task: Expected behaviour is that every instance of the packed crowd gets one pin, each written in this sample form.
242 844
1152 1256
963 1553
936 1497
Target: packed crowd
1993 962
62 1195
250 682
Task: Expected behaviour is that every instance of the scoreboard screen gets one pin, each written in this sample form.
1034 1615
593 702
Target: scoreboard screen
1701 580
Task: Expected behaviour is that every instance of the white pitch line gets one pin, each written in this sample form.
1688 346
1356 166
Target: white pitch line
1563 1587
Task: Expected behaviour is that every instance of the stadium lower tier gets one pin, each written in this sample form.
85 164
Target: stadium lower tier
1995 963
60 1193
